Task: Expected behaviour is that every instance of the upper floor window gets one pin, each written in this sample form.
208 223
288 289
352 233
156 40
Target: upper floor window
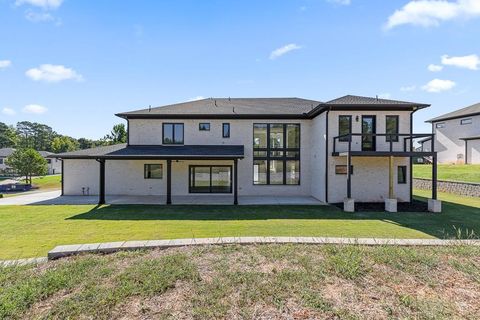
440 125
1 160
466 121
344 127
391 127
276 153
204 127
49 161
226 130
172 133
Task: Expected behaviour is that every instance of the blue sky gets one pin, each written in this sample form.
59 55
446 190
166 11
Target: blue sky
73 64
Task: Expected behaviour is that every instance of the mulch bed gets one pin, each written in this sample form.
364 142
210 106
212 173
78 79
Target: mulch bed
414 206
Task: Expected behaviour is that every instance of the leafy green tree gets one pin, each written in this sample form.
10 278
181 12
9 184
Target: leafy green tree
64 144
117 135
27 162
35 135
8 136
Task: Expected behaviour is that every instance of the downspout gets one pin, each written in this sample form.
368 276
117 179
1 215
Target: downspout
326 155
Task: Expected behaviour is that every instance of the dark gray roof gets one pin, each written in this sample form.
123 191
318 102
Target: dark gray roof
460 113
471 138
231 107
352 100
122 151
45 154
5 152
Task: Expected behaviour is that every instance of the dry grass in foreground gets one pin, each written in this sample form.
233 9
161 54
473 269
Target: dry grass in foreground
257 281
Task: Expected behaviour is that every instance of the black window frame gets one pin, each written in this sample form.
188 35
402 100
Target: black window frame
466 121
147 165
224 135
344 139
190 188
402 174
393 138
173 132
269 154
337 166
206 124
439 125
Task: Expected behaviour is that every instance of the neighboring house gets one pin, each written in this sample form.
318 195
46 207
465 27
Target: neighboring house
457 136
54 165
256 147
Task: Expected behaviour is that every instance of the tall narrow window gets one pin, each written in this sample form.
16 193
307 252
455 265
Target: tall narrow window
391 127
226 130
172 133
344 127
276 153
402 174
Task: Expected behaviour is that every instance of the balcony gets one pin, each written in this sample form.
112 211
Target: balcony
378 144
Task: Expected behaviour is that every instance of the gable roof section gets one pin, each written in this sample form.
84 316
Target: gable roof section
229 108
460 113
351 100
122 151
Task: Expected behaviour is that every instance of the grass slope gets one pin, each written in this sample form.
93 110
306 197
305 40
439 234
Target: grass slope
466 173
29 231
47 182
250 282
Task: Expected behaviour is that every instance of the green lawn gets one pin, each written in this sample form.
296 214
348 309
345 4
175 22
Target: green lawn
48 182
451 172
28 231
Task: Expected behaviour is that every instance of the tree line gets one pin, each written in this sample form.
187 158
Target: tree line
41 137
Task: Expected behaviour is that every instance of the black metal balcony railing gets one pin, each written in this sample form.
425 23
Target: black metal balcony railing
400 142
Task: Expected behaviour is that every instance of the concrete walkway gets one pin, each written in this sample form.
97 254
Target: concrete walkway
108 247
55 198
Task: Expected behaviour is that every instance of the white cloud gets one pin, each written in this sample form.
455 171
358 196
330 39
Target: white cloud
427 13
283 50
438 85
38 16
8 111
45 4
53 73
408 88
196 98
384 95
342 2
434 67
34 108
5 63
471 62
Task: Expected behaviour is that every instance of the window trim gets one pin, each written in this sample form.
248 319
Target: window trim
145 171
173 132
223 130
397 128
283 158
465 121
404 175
204 123
439 125
210 187
345 139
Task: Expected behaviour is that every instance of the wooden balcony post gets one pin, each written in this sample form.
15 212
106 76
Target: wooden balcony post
391 194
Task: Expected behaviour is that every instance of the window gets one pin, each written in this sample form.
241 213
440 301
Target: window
276 154
152 171
466 121
226 130
342 169
210 179
391 127
1 160
344 127
204 127
49 161
402 174
172 133
440 125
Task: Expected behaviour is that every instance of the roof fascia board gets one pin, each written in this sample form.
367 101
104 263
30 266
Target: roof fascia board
453 117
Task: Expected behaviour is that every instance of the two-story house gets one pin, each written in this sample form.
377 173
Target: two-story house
53 165
457 136
352 148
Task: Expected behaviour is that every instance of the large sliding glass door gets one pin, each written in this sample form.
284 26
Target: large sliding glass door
210 179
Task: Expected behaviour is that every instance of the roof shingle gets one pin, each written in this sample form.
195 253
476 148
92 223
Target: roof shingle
467 111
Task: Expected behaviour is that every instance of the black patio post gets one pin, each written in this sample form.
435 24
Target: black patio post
169 181
434 176
235 182
101 193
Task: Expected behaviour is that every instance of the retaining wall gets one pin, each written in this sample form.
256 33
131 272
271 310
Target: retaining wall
460 188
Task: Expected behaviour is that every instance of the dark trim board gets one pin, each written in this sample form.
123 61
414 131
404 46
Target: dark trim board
173 157
454 117
383 154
